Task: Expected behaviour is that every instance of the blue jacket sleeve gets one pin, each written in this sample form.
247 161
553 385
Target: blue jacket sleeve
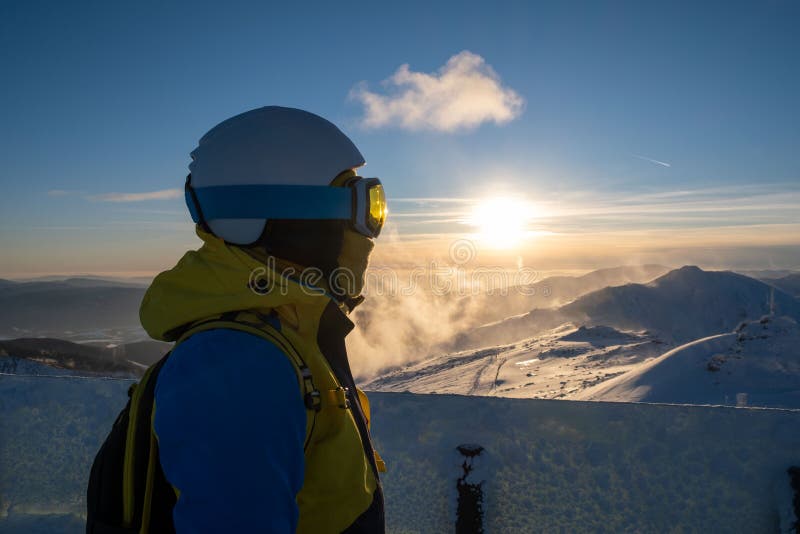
231 424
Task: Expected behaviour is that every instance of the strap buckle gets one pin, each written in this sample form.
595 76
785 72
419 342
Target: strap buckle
313 400
341 397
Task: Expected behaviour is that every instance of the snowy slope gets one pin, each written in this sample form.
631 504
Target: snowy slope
556 364
760 359
789 284
397 326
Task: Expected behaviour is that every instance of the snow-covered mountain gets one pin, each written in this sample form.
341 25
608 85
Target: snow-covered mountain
397 327
684 304
550 292
615 344
554 365
760 360
680 306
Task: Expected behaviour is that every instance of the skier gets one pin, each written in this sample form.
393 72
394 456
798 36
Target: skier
253 422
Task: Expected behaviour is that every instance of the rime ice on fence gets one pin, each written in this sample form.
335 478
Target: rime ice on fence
551 465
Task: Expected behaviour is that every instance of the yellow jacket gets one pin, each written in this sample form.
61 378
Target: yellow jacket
341 490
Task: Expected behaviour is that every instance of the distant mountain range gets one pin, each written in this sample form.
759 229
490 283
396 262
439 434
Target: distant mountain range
767 274
680 306
123 360
606 324
550 292
684 304
63 308
88 279
690 336
399 327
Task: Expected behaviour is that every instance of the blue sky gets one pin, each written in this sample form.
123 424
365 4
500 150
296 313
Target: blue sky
109 98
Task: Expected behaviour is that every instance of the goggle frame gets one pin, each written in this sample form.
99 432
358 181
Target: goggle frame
281 201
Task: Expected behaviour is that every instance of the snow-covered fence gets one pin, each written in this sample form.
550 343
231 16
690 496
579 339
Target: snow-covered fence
548 466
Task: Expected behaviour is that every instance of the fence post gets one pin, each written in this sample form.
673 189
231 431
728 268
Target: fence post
469 511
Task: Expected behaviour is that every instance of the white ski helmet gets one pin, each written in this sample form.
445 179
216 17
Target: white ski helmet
268 146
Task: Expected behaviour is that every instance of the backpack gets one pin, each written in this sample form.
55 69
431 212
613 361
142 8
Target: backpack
128 491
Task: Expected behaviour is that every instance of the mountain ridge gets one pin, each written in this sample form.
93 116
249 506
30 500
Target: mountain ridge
127 359
681 305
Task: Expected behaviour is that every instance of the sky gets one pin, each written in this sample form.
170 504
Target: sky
611 132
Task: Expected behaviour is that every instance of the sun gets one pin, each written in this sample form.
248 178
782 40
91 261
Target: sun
501 222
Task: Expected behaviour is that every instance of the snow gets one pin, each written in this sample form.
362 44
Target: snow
548 466
555 364
141 366
11 365
680 306
645 460
761 359
690 336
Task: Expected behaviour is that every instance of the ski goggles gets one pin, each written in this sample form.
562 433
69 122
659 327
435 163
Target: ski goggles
361 201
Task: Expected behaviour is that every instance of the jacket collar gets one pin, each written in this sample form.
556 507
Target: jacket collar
220 278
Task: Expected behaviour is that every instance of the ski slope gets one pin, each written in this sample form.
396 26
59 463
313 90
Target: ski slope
554 365
761 359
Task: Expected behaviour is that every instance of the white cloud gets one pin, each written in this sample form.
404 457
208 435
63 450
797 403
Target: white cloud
461 95
165 194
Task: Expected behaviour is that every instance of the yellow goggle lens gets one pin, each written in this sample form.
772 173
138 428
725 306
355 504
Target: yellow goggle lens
377 206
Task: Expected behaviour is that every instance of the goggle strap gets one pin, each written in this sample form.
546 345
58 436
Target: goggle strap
194 206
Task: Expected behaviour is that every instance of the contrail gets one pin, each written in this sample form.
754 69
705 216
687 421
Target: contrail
651 160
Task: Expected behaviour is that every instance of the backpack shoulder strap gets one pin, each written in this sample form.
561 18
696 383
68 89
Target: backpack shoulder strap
264 327
138 449
145 489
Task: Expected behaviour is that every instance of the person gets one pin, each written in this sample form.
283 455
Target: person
253 422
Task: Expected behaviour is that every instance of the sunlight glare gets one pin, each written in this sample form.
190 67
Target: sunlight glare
501 222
